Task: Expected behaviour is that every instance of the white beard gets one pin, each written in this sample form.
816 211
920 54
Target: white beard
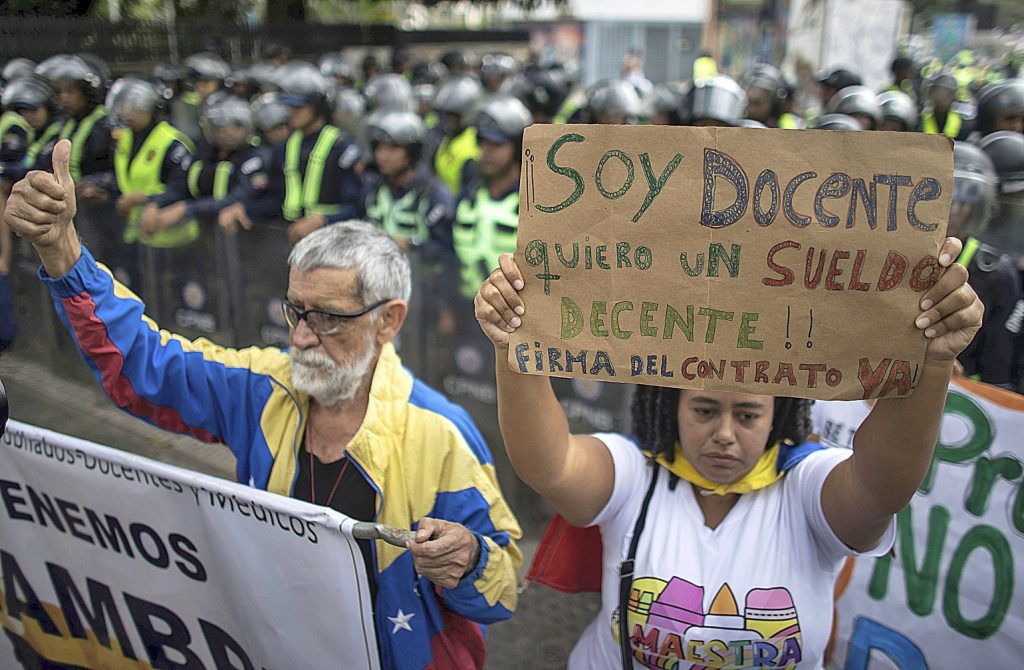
328 382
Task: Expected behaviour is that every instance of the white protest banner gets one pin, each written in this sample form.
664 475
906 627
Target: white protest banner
111 560
949 598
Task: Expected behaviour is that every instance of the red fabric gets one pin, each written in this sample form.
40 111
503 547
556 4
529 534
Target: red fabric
568 559
96 343
459 646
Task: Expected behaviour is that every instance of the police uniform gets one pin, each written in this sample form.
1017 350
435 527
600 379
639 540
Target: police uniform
15 137
92 148
456 158
311 174
213 183
953 125
485 227
420 212
151 163
991 355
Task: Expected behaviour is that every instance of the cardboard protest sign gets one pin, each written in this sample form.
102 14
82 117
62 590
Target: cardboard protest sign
764 261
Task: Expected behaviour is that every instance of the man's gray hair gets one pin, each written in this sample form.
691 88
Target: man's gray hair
382 270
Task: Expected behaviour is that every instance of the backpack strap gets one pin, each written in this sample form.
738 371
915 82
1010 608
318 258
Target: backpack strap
626 574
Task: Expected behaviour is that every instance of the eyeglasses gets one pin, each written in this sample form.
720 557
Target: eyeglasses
321 321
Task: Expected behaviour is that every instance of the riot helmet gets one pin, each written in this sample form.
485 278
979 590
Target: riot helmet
133 102
716 100
349 110
614 101
397 128
228 113
860 102
1001 107
16 68
270 116
1006 149
836 122
542 91
502 118
335 67
455 100
455 62
898 111
302 84
495 69
974 191
388 91
29 93
766 90
206 67
80 86
1006 231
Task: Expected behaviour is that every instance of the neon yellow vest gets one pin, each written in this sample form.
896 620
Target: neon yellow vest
453 153
221 179
141 174
789 121
967 254
302 192
951 128
33 150
704 67
78 133
14 120
484 229
402 219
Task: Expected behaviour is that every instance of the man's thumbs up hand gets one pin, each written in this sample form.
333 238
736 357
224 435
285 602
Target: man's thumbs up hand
42 205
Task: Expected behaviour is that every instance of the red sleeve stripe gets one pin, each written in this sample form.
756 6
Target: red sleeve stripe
95 341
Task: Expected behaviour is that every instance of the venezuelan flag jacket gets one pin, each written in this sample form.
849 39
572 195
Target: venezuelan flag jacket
421 454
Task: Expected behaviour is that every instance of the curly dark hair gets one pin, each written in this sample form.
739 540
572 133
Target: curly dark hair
656 420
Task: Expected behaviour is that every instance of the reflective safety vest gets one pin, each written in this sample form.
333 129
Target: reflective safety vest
78 133
32 154
404 218
484 229
967 254
704 67
302 192
951 129
221 179
790 121
141 174
452 155
12 119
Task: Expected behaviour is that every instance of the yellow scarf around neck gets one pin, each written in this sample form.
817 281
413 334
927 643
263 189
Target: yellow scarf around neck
764 473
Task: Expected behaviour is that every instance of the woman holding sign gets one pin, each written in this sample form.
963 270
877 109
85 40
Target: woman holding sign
723 532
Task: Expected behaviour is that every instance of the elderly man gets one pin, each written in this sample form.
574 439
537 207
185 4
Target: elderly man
335 420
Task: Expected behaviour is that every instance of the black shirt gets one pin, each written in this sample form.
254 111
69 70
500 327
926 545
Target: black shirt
354 497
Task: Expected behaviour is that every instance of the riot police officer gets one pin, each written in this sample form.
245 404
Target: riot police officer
409 203
939 115
1001 107
768 96
496 70
455 157
315 177
487 215
35 101
990 357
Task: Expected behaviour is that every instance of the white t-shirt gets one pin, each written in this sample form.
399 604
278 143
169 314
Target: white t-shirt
836 421
754 592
